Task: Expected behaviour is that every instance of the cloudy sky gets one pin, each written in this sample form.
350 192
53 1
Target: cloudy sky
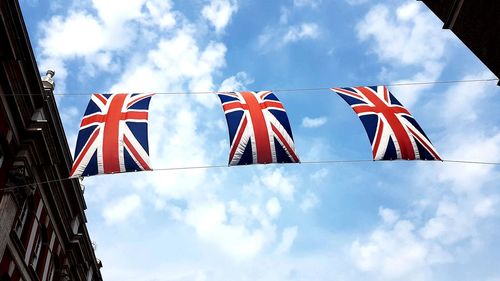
346 221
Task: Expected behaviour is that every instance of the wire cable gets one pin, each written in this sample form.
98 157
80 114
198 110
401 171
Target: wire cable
281 90
472 162
226 166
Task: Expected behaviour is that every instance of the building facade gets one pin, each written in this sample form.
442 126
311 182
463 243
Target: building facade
43 235
476 23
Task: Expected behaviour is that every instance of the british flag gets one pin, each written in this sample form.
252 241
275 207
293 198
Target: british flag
392 130
259 130
113 136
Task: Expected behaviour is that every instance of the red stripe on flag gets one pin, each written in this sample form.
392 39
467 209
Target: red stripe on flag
100 118
110 151
136 155
264 94
429 148
134 115
285 143
101 98
362 108
386 95
237 140
349 93
259 125
96 118
234 105
137 99
400 133
378 137
84 151
268 104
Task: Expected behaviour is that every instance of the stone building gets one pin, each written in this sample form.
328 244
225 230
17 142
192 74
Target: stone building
43 235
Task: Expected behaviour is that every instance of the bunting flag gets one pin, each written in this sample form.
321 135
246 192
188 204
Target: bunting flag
259 130
113 136
392 130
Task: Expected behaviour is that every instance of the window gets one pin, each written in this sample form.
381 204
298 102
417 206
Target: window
89 274
75 224
36 251
51 271
21 219
54 270
42 240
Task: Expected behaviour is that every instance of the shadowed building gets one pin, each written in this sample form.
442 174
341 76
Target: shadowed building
476 23
43 235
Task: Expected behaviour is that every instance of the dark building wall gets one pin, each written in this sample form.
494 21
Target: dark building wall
43 235
476 23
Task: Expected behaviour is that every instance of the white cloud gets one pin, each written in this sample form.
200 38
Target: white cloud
180 144
284 15
240 230
310 201
309 122
389 216
210 220
467 135
97 39
236 228
180 59
219 13
281 184
273 207
303 31
477 146
453 219
463 99
238 82
450 224
217 223
69 114
319 175
430 71
174 64
115 12
79 34
401 249
267 40
287 238
486 206
122 210
306 3
408 37
357 2
160 14
394 253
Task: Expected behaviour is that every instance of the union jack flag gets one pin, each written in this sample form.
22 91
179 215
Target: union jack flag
392 130
259 130
113 136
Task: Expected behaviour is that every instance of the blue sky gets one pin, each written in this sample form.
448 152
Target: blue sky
359 221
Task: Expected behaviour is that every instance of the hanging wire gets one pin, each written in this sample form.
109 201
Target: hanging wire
275 90
472 162
281 90
226 166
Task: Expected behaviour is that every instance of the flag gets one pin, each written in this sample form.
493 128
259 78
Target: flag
392 130
259 130
113 136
